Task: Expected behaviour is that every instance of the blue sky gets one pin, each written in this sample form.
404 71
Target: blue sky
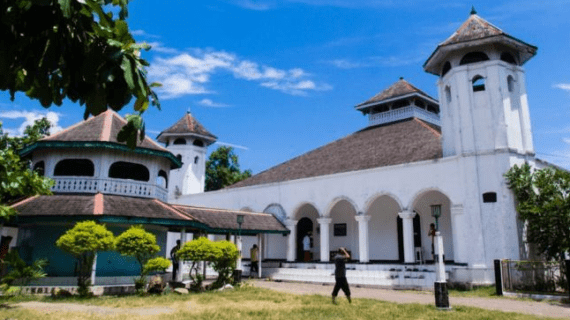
276 79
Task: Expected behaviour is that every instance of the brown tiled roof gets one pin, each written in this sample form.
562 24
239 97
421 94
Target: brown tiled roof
402 142
187 125
227 219
398 89
103 127
473 29
98 205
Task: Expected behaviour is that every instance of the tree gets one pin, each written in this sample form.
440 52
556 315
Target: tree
80 50
16 178
141 245
83 242
222 169
543 202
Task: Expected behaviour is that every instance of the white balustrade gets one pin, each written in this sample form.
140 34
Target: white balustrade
109 186
403 113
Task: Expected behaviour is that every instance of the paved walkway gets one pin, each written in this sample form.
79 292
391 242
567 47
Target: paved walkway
500 304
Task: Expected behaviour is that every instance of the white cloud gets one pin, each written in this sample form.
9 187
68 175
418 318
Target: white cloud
189 73
231 145
212 104
369 62
563 86
29 118
159 47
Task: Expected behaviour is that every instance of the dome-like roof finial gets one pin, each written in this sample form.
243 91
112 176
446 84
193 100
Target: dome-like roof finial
401 78
188 110
473 11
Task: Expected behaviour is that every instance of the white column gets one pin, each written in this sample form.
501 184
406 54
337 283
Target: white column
291 239
179 275
94 269
325 225
239 247
440 267
363 242
457 233
259 254
408 230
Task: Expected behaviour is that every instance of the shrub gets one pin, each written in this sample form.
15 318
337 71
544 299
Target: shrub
83 241
19 272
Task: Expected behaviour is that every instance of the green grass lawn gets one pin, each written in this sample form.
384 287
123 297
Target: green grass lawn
242 303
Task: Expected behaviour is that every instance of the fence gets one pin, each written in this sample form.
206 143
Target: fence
532 277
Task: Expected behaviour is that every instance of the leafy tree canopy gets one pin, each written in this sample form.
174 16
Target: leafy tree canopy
16 178
543 198
79 50
137 243
86 237
222 169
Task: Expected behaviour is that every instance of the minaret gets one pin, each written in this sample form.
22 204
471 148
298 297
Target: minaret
188 140
482 90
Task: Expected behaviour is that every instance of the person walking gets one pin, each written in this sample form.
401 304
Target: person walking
254 256
340 274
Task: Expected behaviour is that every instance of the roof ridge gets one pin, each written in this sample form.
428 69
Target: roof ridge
171 208
223 210
107 124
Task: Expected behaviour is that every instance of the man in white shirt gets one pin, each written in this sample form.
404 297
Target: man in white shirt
307 247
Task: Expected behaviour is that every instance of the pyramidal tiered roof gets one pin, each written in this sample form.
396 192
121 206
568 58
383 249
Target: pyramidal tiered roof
100 132
187 125
478 31
400 88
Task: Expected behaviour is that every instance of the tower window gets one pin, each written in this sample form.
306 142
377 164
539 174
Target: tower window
198 143
196 159
129 170
162 179
507 57
478 84
400 104
473 57
433 108
448 94
489 197
74 167
180 141
446 68
420 104
511 83
39 167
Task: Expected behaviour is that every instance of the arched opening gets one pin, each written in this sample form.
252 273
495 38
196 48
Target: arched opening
382 229
507 57
417 236
423 208
40 168
162 179
400 104
196 159
511 83
344 228
129 171
446 68
478 83
198 143
305 246
276 247
448 94
74 167
473 57
179 141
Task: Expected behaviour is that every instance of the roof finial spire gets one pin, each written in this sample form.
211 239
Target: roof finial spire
401 78
188 110
473 11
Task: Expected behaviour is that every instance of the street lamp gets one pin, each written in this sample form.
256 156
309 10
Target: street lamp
239 220
440 284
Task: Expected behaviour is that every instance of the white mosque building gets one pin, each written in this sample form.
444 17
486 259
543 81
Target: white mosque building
374 191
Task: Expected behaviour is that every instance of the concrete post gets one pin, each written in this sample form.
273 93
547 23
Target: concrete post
259 254
325 225
291 239
440 284
408 230
363 242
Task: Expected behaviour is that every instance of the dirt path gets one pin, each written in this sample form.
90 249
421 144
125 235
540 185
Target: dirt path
507 305
85 308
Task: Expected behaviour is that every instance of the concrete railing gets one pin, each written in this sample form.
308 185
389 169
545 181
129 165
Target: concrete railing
403 113
109 186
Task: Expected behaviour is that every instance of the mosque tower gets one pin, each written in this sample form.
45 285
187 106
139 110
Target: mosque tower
189 141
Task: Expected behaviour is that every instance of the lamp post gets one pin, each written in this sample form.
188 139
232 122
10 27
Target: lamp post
239 220
440 284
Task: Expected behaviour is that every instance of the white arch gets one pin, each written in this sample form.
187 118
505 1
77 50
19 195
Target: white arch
336 200
280 213
298 207
421 192
375 197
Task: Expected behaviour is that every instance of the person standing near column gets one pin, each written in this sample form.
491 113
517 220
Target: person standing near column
253 253
431 233
174 258
307 247
340 274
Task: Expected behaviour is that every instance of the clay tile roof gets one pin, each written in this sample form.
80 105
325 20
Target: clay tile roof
398 89
187 125
473 28
103 127
401 142
98 205
227 219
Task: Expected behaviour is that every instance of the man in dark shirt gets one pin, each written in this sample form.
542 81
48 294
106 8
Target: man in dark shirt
340 274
